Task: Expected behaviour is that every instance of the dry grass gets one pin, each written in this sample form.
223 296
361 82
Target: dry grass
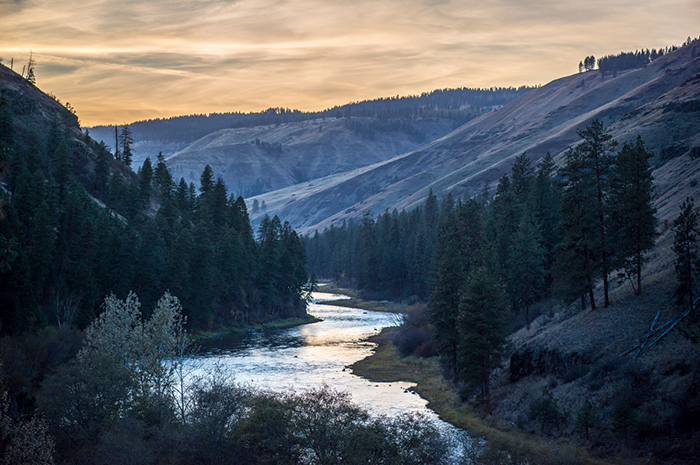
386 365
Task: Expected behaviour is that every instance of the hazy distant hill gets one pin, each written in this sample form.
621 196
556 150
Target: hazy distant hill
258 152
659 102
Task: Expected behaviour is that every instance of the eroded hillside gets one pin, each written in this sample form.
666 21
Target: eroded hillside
658 102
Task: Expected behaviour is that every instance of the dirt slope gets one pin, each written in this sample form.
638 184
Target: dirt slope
544 120
271 157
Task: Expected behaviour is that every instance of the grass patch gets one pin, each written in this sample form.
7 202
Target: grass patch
386 365
374 305
330 288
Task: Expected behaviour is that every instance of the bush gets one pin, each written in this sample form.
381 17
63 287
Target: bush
586 419
546 410
414 341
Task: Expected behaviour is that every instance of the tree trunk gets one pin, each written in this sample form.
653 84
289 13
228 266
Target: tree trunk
527 316
639 273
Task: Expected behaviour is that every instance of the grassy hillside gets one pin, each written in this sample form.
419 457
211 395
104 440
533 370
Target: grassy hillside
636 102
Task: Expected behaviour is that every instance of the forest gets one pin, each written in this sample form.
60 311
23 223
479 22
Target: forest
459 105
76 229
545 232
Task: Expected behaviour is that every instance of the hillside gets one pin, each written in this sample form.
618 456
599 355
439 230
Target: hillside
279 147
656 102
264 158
76 225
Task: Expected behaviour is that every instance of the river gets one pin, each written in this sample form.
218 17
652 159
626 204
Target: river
314 355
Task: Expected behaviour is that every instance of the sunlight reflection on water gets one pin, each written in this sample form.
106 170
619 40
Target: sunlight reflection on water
317 354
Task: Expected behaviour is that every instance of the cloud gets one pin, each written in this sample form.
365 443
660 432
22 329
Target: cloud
118 61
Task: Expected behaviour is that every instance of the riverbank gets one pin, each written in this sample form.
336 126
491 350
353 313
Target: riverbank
205 338
386 365
355 301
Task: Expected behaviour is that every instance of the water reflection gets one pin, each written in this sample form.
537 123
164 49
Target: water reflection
314 355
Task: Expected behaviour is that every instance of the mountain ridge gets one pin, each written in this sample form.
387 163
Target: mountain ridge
543 120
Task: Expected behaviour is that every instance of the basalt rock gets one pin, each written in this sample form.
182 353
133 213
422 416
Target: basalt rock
542 361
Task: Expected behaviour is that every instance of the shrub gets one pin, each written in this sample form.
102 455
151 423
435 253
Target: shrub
546 410
586 419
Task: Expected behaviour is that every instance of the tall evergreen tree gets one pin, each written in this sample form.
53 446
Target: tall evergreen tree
596 149
633 216
455 255
145 179
163 178
527 267
685 246
578 252
546 200
206 181
482 329
126 140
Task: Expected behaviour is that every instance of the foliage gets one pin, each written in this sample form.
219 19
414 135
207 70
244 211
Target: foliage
23 441
546 410
482 329
624 420
586 419
76 226
633 220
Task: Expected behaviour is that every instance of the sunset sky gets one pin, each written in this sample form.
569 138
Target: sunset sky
121 61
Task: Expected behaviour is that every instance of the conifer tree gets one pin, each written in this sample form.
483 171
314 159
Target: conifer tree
206 181
546 200
527 266
522 177
31 77
633 216
162 177
145 179
685 246
596 149
578 252
454 260
126 139
482 329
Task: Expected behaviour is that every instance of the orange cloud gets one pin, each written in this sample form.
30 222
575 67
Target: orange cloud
129 60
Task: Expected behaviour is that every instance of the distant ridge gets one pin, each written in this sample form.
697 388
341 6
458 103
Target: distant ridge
658 102
259 152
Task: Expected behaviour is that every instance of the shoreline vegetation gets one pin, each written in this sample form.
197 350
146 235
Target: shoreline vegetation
355 301
385 364
227 332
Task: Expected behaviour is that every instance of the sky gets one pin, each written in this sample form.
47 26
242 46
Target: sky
121 61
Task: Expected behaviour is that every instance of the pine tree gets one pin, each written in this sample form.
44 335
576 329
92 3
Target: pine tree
527 266
145 179
685 246
482 329
522 177
126 139
162 177
117 152
30 69
578 252
206 181
586 418
546 200
633 217
595 149
455 255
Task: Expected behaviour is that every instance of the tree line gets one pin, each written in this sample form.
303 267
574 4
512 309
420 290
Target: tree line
77 226
463 104
623 61
482 263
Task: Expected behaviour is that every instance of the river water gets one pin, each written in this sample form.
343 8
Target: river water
317 354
